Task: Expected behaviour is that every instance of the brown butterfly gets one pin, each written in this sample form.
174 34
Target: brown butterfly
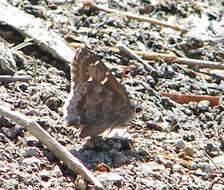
97 101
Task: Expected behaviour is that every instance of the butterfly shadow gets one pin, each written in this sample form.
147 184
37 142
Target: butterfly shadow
96 151
112 152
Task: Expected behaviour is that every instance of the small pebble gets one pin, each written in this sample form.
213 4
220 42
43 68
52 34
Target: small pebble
12 133
194 166
32 161
203 106
54 103
44 175
206 168
189 151
80 183
112 178
210 147
31 141
3 138
189 137
180 144
31 152
168 164
23 87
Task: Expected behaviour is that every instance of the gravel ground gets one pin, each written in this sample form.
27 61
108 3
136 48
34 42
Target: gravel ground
168 146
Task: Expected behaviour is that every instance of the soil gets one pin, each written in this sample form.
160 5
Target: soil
167 146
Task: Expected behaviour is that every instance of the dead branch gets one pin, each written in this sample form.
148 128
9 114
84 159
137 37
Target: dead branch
141 18
132 54
213 75
37 30
9 78
157 56
27 42
185 98
216 180
59 150
187 61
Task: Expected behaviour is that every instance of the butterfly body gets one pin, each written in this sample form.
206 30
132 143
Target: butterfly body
96 101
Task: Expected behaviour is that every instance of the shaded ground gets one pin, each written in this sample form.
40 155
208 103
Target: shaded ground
170 146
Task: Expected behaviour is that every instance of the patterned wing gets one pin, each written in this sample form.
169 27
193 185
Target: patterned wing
97 101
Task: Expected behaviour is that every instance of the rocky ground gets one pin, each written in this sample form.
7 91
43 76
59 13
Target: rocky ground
168 146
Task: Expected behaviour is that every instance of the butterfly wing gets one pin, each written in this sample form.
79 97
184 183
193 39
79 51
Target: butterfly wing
96 101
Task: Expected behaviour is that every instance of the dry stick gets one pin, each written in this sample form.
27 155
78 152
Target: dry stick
172 58
216 180
27 42
206 154
213 75
9 78
185 98
200 63
141 18
130 53
59 150
166 57
37 30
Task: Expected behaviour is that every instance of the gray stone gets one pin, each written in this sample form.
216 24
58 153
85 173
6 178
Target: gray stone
203 106
12 133
111 178
31 152
189 151
180 144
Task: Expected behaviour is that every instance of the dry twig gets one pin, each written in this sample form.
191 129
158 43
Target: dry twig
141 18
187 61
9 78
131 54
27 42
37 30
185 98
213 75
157 56
216 180
59 150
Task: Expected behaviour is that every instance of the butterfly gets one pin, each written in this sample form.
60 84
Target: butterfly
97 101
